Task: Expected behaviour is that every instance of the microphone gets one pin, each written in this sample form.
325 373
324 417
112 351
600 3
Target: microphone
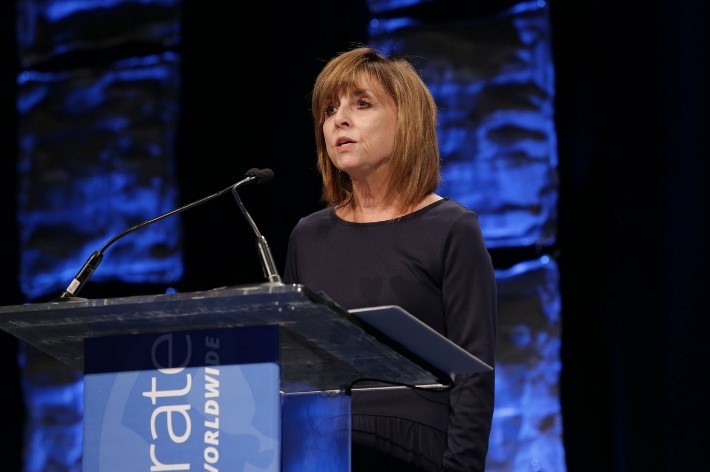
80 279
267 259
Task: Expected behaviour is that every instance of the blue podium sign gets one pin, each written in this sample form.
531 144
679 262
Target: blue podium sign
194 400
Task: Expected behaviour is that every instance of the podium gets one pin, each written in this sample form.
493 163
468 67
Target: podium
252 377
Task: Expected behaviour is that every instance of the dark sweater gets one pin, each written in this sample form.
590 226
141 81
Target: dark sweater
434 264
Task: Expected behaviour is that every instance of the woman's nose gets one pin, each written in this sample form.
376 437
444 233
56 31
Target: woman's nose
341 117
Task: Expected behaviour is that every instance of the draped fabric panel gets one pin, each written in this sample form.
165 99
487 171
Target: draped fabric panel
97 157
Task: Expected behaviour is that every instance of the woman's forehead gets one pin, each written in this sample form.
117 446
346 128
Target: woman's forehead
362 83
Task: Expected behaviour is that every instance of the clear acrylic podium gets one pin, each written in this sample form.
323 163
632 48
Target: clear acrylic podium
250 377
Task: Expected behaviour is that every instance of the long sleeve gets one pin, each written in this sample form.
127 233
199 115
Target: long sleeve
469 296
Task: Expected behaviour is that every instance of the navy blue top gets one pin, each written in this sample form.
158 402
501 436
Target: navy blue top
434 264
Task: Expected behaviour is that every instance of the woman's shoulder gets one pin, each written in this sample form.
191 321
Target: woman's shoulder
447 208
315 219
446 216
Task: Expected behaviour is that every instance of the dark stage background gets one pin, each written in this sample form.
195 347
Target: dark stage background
632 232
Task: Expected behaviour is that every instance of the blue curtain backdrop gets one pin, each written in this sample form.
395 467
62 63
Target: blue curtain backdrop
572 129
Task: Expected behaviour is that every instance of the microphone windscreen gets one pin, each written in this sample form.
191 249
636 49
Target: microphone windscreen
262 175
266 175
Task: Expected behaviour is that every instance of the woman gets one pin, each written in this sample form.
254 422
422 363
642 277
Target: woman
386 238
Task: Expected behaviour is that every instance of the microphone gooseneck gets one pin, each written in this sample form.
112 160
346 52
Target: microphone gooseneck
267 259
253 175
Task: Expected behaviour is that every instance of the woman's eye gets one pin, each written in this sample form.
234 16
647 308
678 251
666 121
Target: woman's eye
329 110
363 104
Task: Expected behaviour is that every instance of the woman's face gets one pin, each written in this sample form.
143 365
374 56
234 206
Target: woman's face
359 129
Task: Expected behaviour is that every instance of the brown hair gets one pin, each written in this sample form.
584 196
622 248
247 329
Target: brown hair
415 162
